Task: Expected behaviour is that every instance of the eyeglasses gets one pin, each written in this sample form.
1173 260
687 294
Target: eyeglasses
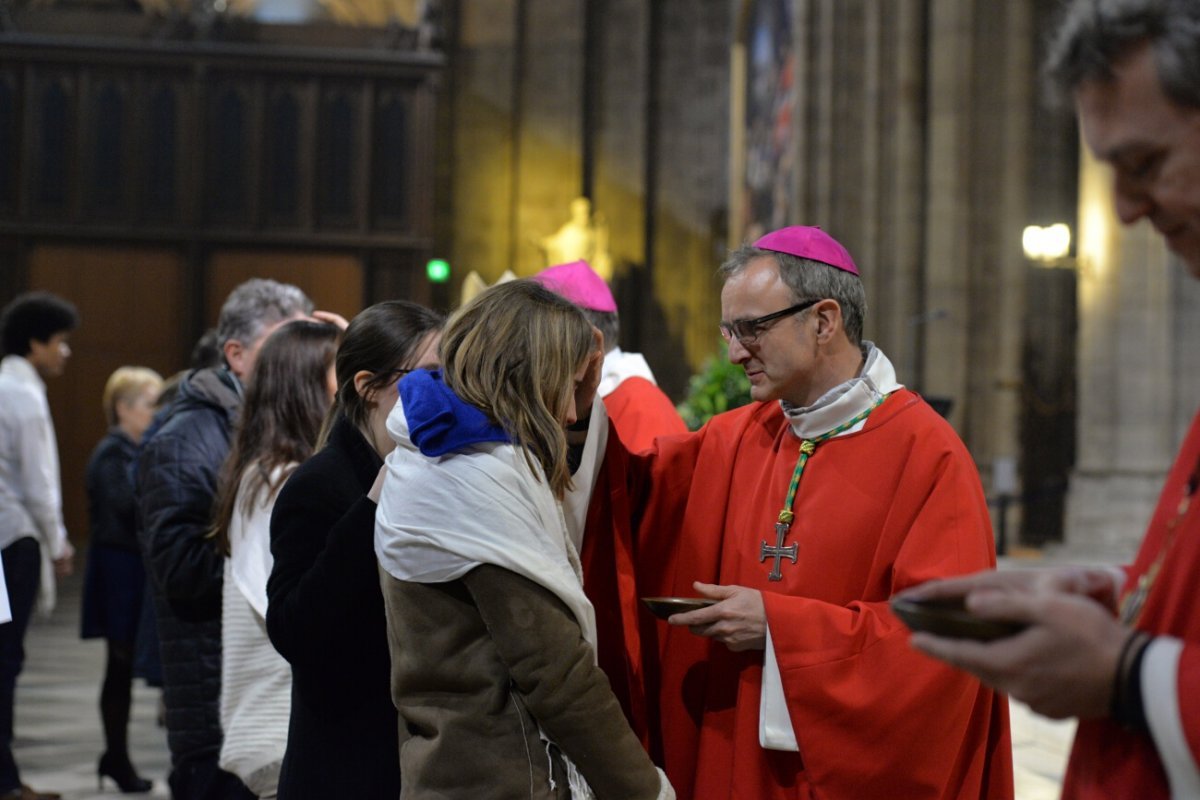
399 372
389 378
747 331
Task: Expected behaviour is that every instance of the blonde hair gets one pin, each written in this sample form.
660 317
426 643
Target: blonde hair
513 353
125 384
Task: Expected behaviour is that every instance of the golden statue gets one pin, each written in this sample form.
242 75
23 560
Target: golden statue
584 236
474 284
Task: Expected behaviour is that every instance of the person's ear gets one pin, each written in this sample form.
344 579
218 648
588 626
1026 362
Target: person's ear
121 407
362 380
828 314
235 353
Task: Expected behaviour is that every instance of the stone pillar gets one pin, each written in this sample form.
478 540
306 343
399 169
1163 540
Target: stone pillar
970 320
483 105
946 332
895 296
1130 414
995 357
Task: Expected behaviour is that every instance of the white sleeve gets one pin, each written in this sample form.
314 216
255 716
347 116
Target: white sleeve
1160 698
40 484
775 731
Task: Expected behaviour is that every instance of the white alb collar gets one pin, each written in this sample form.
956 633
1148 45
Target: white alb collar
618 367
846 400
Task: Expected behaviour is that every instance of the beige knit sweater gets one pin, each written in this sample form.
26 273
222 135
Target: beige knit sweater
256 682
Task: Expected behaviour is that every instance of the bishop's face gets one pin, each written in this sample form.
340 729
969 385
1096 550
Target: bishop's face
781 361
1153 145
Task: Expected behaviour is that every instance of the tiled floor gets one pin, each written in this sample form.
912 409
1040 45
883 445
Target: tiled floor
59 740
58 737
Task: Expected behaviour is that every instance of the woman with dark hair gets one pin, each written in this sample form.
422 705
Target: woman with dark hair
280 422
493 640
325 614
114 582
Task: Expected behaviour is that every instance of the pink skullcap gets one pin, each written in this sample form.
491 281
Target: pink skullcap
811 243
579 283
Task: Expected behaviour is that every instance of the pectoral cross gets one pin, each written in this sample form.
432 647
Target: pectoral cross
778 552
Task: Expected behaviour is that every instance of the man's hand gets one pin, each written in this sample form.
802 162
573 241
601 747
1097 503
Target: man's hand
64 565
739 620
333 318
1063 665
1099 583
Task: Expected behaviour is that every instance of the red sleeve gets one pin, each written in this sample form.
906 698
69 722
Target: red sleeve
609 582
617 574
640 411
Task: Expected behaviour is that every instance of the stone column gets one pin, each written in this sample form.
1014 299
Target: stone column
1130 410
946 332
970 321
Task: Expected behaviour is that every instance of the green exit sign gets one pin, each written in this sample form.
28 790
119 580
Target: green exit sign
437 270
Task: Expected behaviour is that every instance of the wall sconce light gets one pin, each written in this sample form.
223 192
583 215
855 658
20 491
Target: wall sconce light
1048 246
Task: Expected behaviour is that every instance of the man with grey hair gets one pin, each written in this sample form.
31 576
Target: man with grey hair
1119 649
796 517
177 478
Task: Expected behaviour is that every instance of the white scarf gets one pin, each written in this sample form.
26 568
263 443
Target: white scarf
439 518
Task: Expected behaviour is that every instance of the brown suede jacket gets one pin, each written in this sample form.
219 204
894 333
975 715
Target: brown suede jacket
478 664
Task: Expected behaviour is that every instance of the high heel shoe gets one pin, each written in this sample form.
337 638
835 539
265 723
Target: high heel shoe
119 768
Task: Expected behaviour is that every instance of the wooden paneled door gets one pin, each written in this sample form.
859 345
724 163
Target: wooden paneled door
133 309
138 306
334 281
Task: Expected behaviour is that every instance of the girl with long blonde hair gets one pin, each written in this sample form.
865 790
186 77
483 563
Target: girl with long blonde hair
492 638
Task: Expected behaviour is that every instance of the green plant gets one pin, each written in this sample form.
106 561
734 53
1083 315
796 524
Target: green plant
718 386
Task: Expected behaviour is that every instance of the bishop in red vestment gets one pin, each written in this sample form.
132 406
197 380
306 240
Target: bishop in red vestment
800 683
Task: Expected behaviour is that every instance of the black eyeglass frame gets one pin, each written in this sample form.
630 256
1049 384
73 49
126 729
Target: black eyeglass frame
751 329
389 377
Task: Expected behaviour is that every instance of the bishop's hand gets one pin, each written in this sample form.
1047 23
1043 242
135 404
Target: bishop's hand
738 620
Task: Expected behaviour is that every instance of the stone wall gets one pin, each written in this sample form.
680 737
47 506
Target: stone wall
919 141
658 167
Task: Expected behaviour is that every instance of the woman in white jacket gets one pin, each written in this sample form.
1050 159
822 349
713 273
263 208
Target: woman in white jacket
285 405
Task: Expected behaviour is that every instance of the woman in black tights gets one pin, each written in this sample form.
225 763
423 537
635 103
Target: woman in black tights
114 581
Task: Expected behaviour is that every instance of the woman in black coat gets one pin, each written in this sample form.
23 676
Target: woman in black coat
325 609
115 579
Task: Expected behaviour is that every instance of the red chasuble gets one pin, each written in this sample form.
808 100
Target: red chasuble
1107 760
640 411
888 507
